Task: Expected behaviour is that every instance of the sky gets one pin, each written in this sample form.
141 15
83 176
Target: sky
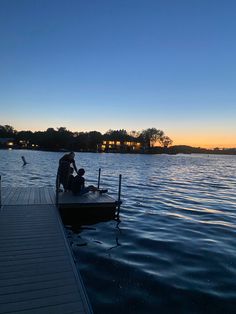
121 64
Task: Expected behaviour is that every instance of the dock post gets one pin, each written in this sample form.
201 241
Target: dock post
99 176
0 191
57 190
119 193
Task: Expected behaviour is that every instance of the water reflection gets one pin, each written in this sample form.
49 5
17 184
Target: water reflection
172 249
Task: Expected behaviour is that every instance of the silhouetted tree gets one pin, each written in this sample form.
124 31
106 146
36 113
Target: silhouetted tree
134 134
64 138
61 138
7 131
94 138
165 141
117 135
81 141
151 136
25 135
49 139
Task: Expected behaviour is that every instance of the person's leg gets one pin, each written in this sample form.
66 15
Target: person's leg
92 188
84 190
64 174
103 191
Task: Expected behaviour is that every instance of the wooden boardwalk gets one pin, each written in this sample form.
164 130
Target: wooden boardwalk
37 270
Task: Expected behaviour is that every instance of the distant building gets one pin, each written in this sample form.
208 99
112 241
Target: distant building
7 142
23 143
27 144
119 146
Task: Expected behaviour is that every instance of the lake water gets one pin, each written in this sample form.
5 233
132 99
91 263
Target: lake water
174 250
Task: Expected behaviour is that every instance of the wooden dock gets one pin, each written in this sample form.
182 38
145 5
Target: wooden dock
46 195
38 273
89 208
91 199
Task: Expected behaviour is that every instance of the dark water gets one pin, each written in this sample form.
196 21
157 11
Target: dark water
174 250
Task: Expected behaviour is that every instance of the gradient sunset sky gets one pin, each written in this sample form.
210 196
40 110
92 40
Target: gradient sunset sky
113 64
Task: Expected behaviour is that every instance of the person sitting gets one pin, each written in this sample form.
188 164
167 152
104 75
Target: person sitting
78 184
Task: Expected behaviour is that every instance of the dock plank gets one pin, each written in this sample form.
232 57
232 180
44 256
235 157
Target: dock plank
15 196
39 302
7 194
36 294
68 308
49 199
31 196
52 195
34 286
36 196
37 270
24 196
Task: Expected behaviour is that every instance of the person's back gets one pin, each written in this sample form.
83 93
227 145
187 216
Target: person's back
70 179
77 184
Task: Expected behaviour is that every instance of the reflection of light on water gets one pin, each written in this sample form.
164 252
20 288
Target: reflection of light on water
177 230
9 148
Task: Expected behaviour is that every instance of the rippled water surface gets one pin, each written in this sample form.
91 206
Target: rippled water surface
174 250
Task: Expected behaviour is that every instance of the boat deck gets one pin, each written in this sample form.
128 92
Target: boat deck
38 273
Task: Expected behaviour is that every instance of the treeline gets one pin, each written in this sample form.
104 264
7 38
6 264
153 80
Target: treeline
61 138
184 149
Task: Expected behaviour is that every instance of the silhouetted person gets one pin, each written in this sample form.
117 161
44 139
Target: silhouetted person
78 185
71 179
64 171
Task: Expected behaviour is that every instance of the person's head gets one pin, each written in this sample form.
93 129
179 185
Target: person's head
81 172
72 155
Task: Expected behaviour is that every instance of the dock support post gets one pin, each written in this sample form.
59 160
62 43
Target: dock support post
99 176
119 193
0 191
57 190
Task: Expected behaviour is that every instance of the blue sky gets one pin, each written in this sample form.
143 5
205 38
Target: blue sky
101 64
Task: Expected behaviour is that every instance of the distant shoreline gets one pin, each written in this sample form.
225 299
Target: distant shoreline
173 150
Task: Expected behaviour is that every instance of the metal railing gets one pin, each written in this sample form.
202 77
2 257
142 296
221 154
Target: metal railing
119 189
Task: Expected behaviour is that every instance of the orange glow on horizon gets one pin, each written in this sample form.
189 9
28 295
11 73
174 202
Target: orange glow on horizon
205 141
205 137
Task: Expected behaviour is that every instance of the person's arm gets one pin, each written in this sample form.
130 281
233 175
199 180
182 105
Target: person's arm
83 180
74 166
